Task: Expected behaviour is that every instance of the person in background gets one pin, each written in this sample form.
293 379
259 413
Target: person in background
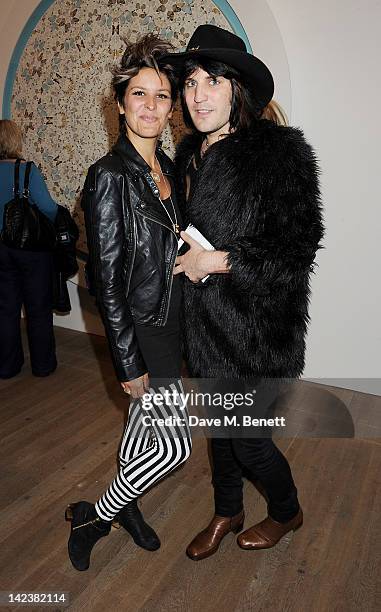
25 276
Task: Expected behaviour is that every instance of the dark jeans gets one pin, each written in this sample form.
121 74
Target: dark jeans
256 457
26 278
261 460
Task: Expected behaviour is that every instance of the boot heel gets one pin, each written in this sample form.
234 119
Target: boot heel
69 513
238 528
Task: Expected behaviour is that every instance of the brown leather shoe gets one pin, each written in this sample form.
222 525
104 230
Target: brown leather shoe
268 532
206 543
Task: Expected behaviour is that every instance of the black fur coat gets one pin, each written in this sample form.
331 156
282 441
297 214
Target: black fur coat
257 197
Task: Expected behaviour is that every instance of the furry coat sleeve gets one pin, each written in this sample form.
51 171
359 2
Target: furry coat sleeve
281 239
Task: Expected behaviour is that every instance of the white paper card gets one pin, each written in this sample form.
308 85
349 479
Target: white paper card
193 232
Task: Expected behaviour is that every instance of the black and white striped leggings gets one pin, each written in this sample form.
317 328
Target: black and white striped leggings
149 450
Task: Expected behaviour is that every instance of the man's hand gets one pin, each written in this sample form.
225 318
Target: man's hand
192 263
137 387
199 262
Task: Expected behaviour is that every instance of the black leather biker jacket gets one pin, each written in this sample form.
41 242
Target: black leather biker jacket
132 249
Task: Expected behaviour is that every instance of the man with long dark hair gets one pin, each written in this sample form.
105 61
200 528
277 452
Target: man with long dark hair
250 186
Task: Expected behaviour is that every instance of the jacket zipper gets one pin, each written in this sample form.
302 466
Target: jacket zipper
129 274
171 280
169 294
156 221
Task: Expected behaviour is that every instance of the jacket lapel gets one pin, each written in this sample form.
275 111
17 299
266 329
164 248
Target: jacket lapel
149 203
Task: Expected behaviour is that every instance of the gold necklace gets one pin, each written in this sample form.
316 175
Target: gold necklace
175 226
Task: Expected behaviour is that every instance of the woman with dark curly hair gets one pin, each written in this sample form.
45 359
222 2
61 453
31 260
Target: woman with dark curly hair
133 225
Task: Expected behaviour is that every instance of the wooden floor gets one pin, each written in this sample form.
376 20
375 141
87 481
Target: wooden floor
59 438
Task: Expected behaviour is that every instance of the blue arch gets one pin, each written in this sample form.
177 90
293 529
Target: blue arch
39 11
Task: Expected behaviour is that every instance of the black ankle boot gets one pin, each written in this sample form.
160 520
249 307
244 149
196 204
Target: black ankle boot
132 520
86 529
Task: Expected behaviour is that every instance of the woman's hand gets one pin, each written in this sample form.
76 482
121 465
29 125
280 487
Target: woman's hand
136 387
199 262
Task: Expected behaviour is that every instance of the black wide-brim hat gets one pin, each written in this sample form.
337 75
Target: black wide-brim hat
209 41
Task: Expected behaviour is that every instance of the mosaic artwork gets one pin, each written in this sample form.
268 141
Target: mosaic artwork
62 97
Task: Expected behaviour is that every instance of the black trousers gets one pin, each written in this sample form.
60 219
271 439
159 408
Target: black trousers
256 457
26 278
261 460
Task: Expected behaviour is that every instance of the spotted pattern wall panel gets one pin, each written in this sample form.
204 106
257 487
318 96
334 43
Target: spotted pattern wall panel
62 97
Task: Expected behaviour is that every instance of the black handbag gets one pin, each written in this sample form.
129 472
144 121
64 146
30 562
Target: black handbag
24 225
67 235
64 258
61 299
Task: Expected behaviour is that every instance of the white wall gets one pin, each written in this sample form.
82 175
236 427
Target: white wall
332 51
13 16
